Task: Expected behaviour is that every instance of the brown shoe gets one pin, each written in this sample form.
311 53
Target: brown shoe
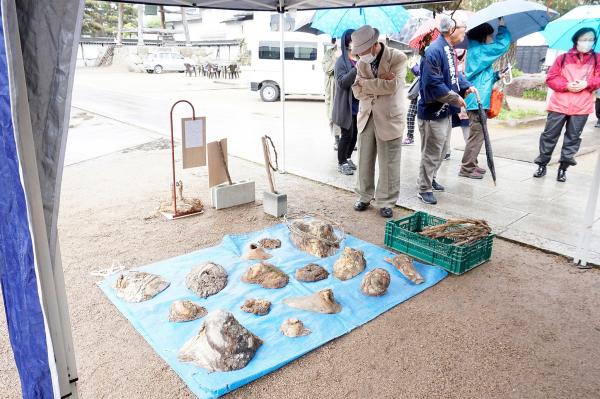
471 175
480 170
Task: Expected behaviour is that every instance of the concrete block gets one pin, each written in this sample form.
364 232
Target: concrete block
238 193
275 204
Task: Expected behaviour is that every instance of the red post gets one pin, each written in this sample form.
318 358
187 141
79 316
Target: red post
173 152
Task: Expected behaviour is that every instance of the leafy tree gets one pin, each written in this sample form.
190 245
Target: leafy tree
100 18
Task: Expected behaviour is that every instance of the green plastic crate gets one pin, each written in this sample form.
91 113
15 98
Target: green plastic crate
402 235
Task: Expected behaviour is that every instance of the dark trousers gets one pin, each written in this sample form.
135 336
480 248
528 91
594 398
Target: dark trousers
347 142
549 138
598 109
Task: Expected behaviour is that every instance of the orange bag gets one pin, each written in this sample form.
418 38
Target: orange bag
495 103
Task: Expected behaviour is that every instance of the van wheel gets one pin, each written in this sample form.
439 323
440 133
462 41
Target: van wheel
158 69
269 92
150 70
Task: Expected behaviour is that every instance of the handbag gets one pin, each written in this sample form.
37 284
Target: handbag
496 100
413 90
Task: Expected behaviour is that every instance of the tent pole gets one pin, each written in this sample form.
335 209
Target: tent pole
282 88
585 235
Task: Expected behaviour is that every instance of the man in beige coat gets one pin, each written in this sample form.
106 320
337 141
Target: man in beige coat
379 87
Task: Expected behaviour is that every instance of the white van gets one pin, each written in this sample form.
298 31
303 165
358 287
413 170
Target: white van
303 65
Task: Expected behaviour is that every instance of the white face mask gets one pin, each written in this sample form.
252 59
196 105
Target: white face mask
584 46
368 58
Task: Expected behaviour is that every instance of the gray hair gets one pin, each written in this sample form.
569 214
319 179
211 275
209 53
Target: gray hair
448 23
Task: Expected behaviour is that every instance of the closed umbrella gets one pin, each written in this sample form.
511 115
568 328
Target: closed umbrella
558 33
386 19
489 155
520 16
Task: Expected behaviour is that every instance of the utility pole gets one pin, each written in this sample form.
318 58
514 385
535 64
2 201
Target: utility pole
119 39
186 29
162 17
140 25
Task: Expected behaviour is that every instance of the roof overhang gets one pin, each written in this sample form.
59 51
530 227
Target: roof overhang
280 5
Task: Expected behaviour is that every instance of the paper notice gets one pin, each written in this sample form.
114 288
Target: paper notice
194 133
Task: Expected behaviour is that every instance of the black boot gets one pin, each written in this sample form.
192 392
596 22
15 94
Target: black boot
541 171
337 143
562 172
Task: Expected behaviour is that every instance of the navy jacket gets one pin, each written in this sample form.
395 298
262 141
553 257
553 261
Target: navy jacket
439 76
345 75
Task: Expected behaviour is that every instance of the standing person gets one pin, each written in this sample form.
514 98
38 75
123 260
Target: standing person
379 87
440 90
345 106
574 77
411 114
461 119
484 50
329 59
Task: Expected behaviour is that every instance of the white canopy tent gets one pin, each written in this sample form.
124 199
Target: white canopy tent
37 64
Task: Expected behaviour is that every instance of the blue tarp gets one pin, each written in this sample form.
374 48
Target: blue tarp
17 269
150 318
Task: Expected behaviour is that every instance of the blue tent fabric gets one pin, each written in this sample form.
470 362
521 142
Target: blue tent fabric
17 268
150 318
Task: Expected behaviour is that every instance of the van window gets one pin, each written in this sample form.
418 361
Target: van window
300 51
268 50
294 51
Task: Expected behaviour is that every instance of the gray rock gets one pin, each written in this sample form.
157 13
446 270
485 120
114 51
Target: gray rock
375 282
350 263
222 344
185 311
311 272
207 279
139 286
259 307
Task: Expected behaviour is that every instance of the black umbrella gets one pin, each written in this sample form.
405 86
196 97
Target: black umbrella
486 138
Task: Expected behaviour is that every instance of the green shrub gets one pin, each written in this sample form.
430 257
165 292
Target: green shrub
410 76
517 114
535 94
516 72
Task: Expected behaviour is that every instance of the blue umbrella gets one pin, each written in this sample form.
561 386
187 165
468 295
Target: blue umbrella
558 33
387 19
521 17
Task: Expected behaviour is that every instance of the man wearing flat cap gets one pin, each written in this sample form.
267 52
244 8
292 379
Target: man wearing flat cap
379 87
441 90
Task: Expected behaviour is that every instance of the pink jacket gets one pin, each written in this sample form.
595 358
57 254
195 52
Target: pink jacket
576 66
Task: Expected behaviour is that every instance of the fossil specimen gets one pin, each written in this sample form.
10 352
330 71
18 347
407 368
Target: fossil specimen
259 307
139 286
222 344
269 243
315 237
375 282
185 205
207 279
185 311
265 274
311 272
405 265
294 328
350 263
257 253
320 302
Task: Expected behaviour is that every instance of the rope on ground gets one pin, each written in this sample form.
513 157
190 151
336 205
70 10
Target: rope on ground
117 267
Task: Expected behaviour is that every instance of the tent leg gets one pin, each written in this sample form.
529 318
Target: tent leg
585 235
282 89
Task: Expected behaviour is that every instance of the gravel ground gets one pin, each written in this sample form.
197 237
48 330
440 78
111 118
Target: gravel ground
524 325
